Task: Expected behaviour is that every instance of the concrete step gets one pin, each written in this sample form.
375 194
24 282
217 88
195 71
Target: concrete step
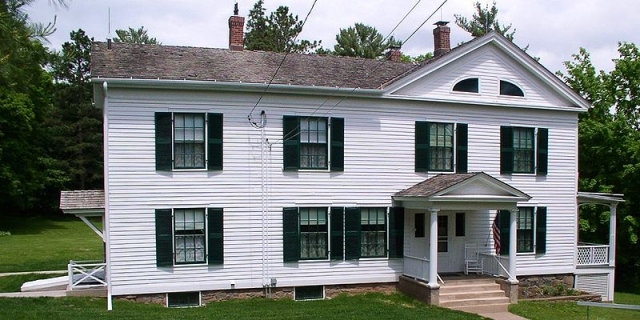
483 309
474 302
447 288
468 281
467 295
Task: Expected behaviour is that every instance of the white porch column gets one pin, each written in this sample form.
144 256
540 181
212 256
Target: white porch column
513 237
612 235
433 249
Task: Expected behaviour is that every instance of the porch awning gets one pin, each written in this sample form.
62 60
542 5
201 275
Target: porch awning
601 198
82 202
461 191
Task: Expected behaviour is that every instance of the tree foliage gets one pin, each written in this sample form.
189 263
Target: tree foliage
140 36
363 41
609 151
276 32
484 20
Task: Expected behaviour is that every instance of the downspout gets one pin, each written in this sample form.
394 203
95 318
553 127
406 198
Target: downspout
107 234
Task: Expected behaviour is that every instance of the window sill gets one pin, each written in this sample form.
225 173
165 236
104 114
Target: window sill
187 265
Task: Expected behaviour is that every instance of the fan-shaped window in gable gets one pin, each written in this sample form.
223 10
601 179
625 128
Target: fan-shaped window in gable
509 89
467 85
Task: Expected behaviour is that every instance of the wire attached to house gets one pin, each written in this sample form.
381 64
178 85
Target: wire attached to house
289 46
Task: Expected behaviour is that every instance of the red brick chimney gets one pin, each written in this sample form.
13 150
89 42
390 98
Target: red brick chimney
236 31
394 54
441 38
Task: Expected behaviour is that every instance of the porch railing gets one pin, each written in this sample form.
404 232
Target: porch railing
86 274
418 268
591 254
494 265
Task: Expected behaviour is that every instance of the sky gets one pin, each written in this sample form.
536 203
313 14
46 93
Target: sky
553 29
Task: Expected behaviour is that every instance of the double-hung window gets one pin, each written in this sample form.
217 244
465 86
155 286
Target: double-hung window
188 141
441 147
189 236
339 233
531 230
313 143
524 150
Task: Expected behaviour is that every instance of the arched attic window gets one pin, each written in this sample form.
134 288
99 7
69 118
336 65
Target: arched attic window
510 89
467 85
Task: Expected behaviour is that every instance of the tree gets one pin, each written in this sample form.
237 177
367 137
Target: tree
277 32
609 152
76 125
27 172
417 59
483 21
363 41
140 36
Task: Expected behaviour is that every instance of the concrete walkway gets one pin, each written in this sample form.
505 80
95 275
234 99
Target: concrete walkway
502 316
34 294
33 272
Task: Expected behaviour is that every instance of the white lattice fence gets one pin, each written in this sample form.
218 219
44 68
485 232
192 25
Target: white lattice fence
593 254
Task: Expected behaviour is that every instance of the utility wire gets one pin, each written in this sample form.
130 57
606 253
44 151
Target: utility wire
369 74
281 63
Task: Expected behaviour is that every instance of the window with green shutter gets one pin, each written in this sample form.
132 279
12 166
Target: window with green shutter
531 225
523 150
189 236
188 141
396 232
437 145
313 143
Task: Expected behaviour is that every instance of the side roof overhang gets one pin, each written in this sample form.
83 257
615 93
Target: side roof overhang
461 191
510 49
82 202
600 198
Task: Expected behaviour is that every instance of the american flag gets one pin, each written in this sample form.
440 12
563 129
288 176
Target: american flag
496 233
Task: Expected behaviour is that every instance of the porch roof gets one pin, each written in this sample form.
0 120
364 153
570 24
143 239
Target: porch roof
461 190
599 197
87 202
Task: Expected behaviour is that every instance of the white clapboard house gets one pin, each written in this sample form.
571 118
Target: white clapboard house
247 172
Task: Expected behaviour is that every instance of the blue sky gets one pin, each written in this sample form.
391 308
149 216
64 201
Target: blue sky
553 29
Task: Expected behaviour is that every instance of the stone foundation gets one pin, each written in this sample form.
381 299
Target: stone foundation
419 290
331 291
511 290
539 286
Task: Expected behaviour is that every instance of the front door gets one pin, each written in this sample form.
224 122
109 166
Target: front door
450 244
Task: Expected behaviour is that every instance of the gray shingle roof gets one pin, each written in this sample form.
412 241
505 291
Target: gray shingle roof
139 61
82 199
435 184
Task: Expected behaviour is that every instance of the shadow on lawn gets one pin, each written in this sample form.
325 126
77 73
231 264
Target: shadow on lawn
28 224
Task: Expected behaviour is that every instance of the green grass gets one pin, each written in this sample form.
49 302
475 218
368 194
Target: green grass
13 283
539 310
367 306
39 244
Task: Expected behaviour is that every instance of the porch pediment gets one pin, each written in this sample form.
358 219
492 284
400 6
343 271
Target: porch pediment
461 191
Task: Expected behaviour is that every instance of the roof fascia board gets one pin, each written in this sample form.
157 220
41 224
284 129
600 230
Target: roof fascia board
510 49
234 86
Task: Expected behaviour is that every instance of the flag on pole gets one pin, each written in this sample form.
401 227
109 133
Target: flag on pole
496 233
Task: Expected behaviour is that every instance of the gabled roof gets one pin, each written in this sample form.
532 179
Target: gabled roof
140 61
81 200
434 185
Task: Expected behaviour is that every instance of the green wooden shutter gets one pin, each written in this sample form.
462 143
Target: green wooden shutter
337 233
164 238
291 143
543 152
461 147
352 242
506 150
214 132
422 146
163 141
215 230
504 224
290 234
541 230
337 144
396 232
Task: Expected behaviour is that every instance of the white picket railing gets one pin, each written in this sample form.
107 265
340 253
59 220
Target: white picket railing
591 254
416 267
494 265
86 274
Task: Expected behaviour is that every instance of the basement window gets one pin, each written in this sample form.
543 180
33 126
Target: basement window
309 293
467 85
183 299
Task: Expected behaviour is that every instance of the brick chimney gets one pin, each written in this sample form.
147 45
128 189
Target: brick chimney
236 31
394 54
441 38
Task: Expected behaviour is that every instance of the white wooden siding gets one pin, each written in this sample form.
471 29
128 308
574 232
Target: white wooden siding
378 161
597 283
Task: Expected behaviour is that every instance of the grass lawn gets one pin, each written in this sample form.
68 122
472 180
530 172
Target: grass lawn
367 306
42 244
13 283
537 310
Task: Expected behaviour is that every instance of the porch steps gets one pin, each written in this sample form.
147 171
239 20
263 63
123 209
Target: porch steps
475 295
